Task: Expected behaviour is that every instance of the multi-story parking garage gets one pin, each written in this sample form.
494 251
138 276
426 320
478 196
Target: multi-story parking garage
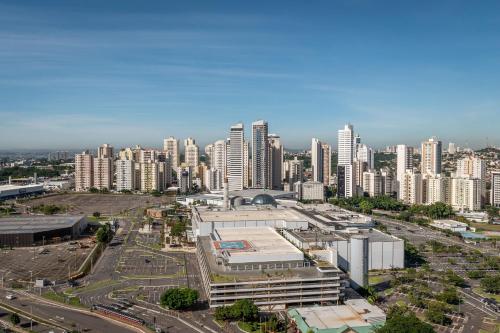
36 230
259 264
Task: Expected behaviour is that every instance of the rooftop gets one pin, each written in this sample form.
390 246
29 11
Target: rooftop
357 314
32 224
17 187
249 213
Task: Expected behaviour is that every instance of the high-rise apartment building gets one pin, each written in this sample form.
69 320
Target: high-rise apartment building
105 151
326 152
317 160
294 170
103 173
235 157
260 154
84 171
436 189
372 183
276 157
346 148
452 149
404 162
126 154
466 194
125 175
431 155
411 188
365 154
471 166
150 176
185 178
171 146
346 181
247 173
495 189
191 153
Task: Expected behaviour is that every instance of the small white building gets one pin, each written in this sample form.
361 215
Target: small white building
310 190
452 225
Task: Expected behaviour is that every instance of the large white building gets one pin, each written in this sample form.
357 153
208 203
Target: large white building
235 155
125 175
365 154
495 189
191 153
150 176
411 188
404 162
260 154
171 147
372 183
316 160
103 173
466 193
436 189
346 170
431 151
346 148
294 170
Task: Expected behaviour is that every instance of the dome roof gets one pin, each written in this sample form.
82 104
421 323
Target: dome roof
263 199
238 201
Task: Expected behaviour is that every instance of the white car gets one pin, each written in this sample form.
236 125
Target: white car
10 297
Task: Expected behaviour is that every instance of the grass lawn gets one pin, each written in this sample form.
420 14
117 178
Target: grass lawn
485 226
60 298
485 294
375 279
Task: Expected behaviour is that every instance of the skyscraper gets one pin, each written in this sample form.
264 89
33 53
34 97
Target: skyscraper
495 189
191 153
326 152
103 173
260 154
171 146
317 160
105 151
84 171
404 162
346 148
431 157
125 175
235 157
365 154
276 162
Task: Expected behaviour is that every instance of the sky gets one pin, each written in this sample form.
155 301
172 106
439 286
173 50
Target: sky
75 74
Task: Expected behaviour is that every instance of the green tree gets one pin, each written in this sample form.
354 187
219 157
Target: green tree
366 206
491 284
179 298
96 214
405 323
449 295
245 310
104 234
15 319
93 190
436 313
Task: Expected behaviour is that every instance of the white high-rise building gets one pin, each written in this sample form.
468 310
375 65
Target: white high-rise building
466 194
346 181
366 154
150 176
209 152
191 153
105 151
372 183
431 151
260 154
346 148
295 170
436 189
276 157
126 154
411 188
217 154
171 146
495 189
471 166
247 174
185 178
317 160
84 171
125 175
310 190
404 162
235 158
452 149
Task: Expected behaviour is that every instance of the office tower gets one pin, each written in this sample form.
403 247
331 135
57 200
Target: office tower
495 189
235 158
404 162
326 154
346 147
276 162
357 140
247 175
260 154
411 187
466 194
191 153
317 160
126 154
365 154
164 174
452 149
84 171
105 151
295 169
431 157
150 177
436 189
103 172
171 146
213 179
184 175
359 167
372 183
137 153
125 175
346 181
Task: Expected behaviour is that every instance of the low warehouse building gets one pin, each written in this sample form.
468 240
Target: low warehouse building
18 191
27 231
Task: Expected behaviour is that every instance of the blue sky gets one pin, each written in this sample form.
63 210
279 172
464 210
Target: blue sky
79 73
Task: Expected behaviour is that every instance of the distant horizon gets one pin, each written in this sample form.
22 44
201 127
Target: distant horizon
125 72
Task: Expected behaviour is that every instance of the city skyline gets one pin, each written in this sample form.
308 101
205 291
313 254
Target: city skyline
78 76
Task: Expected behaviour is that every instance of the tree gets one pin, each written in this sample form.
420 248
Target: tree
15 319
179 298
405 323
93 190
96 214
491 284
436 313
366 206
449 295
245 310
104 234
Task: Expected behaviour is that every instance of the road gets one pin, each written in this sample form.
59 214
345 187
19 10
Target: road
62 316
